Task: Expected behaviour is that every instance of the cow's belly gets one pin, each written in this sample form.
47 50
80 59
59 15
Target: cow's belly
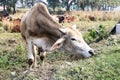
42 42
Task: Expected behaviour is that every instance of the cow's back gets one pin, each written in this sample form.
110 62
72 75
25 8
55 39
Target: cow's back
38 22
28 21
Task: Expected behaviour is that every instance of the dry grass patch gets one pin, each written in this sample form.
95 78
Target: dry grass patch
96 15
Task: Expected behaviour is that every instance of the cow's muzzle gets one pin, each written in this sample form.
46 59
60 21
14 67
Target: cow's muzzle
91 52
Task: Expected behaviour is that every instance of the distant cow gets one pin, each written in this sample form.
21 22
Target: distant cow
40 30
10 24
16 25
66 18
61 18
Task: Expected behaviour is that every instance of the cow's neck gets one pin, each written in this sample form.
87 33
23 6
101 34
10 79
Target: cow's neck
44 42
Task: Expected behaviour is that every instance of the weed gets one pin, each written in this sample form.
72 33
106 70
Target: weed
96 35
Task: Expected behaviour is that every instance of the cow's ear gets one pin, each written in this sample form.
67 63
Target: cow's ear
63 30
58 44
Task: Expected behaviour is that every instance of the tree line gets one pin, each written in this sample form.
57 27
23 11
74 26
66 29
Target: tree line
81 4
8 4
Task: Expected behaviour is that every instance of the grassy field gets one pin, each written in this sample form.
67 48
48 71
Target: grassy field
105 65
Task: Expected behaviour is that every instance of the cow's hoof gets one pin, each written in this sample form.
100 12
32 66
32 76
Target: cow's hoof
42 58
30 62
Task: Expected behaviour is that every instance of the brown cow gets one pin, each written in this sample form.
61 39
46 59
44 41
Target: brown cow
40 30
16 25
10 24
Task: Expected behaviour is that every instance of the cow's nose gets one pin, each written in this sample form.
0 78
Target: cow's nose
91 52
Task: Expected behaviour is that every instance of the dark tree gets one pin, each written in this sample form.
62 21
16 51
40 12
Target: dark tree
53 3
32 2
4 3
68 3
13 5
81 4
9 4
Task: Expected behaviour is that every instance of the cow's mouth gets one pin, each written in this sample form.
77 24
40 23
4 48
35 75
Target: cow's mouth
91 52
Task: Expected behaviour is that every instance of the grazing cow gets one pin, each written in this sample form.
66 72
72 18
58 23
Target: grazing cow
10 24
40 30
66 18
61 18
16 25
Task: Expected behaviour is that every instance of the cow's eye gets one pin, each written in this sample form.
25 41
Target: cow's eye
73 39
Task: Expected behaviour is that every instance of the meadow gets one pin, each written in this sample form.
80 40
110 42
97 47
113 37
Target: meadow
104 65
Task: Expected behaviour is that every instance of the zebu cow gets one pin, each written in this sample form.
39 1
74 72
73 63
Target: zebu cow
38 28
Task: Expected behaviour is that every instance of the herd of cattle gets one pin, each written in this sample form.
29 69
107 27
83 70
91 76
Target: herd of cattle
10 24
66 18
13 25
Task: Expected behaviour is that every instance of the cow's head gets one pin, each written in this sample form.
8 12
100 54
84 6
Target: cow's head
73 42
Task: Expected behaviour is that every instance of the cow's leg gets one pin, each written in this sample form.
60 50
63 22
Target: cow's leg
30 54
35 56
42 56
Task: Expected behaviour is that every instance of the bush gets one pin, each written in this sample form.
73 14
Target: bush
96 35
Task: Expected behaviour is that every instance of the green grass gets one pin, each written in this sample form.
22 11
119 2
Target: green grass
12 53
105 65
